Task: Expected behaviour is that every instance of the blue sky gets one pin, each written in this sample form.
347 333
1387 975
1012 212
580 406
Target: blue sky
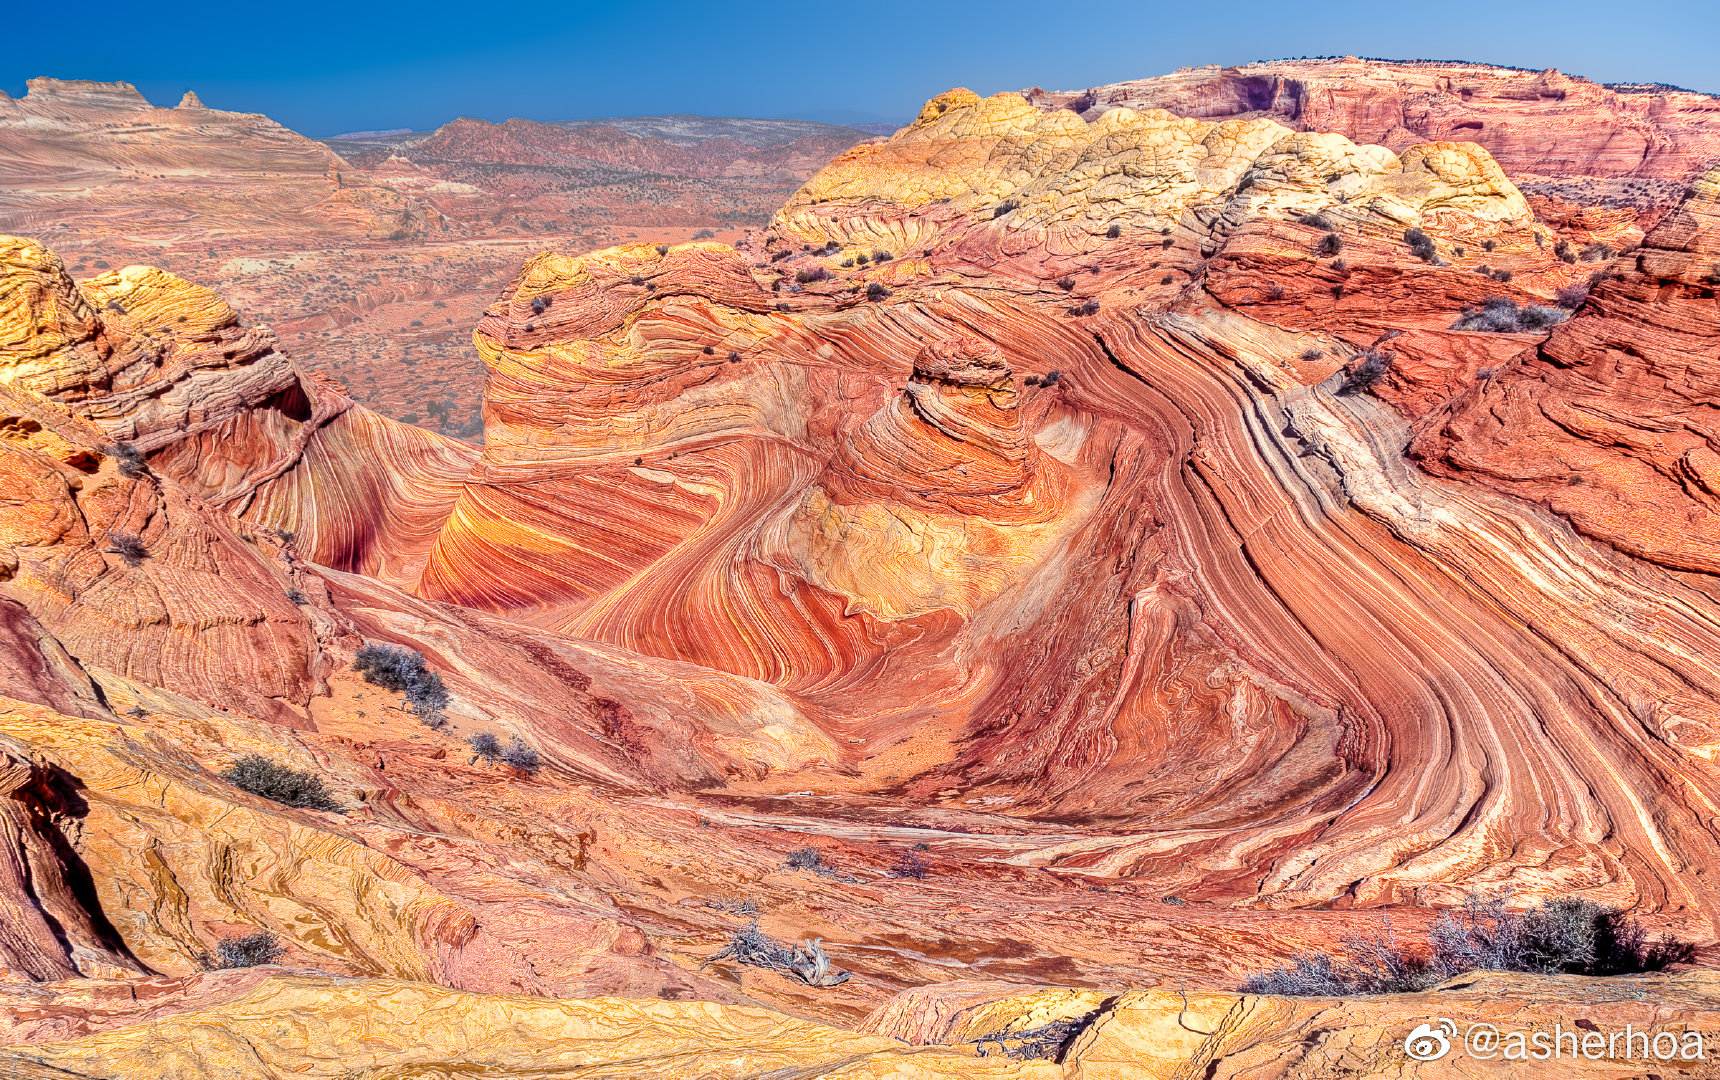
327 68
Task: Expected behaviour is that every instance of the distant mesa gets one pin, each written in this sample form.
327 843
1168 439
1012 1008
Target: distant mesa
372 134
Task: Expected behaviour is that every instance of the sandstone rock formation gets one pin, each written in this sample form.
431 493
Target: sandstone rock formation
1062 565
202 1025
1544 123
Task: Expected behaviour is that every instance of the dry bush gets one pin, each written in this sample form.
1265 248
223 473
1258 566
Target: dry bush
272 780
1563 936
245 950
394 668
1502 315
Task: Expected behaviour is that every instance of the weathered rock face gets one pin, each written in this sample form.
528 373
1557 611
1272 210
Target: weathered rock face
1023 523
1609 424
1543 123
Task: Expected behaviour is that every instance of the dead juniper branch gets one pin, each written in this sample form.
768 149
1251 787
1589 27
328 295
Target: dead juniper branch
809 964
1048 1042
805 962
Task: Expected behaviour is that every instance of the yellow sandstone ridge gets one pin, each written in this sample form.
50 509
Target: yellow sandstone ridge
1049 169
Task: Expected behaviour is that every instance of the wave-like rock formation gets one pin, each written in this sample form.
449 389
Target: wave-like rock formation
1091 537
1146 566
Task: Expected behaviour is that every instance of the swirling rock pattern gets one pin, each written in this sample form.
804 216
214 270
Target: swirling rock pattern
1024 521
1113 517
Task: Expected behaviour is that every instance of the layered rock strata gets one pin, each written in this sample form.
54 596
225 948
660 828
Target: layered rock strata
1091 540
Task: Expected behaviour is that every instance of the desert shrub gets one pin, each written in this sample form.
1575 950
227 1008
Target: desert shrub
812 861
1573 295
1089 307
539 305
1488 245
1367 370
1167 242
521 756
1564 936
272 780
130 459
882 256
1166 280
846 263
1329 245
1065 283
709 350
734 357
1004 207
808 274
486 745
704 234
1596 251
1371 966
1502 275
394 668
875 291
1275 292
662 249
1316 221
1502 315
1312 353
1420 244
909 864
246 950
1340 265
745 906
297 597
1113 232
1051 377
1563 250
128 547
807 858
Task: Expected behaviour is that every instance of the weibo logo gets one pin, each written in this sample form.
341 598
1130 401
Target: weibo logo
1429 1042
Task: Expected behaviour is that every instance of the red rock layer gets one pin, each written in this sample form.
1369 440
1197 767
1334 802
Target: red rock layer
1022 493
1197 608
1609 424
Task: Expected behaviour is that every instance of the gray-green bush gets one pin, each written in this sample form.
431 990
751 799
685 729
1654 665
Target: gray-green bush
1564 936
